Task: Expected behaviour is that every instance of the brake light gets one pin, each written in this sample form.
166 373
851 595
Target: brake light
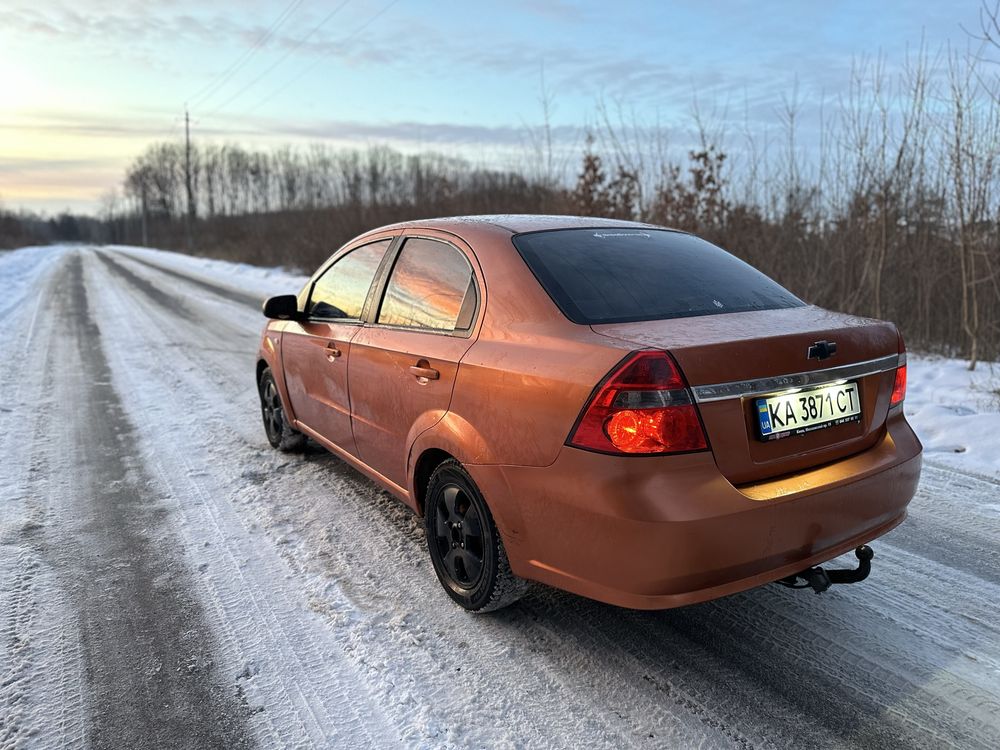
643 407
899 384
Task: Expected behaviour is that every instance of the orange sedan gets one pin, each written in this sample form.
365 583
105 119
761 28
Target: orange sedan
616 409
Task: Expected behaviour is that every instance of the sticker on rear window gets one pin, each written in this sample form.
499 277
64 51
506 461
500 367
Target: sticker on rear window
616 235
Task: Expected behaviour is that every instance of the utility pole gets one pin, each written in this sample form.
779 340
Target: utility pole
189 218
145 214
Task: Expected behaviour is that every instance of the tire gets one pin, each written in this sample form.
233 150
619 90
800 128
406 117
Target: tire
280 434
464 543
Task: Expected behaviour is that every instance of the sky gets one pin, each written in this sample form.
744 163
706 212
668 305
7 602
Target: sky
86 85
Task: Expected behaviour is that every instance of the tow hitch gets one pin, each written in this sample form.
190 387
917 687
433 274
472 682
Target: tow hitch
820 579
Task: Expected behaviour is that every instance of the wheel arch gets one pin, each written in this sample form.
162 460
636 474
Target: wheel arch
449 436
428 454
423 467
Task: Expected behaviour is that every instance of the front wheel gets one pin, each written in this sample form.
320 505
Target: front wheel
280 434
464 543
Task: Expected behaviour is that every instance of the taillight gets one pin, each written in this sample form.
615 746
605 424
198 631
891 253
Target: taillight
643 407
899 384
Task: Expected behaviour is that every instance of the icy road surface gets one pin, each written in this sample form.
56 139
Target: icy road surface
166 579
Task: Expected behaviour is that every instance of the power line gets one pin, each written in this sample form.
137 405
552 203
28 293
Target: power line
308 68
213 86
281 59
170 132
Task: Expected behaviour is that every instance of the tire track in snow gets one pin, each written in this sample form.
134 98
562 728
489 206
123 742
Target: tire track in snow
945 468
151 675
167 301
234 295
302 691
953 531
41 671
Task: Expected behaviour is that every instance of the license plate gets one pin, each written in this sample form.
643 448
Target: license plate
799 412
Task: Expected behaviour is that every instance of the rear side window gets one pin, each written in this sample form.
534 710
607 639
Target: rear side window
431 286
341 291
622 275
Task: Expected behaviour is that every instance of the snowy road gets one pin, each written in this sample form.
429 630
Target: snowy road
166 579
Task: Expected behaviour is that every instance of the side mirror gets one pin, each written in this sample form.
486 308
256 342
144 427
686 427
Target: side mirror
282 307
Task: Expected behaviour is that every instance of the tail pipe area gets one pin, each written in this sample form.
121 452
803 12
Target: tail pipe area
820 579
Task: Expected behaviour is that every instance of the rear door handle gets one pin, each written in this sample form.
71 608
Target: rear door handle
423 370
332 352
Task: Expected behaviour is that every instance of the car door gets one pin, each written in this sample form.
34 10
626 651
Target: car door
403 364
316 350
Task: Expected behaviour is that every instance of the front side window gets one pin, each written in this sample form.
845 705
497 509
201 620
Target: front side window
431 286
341 291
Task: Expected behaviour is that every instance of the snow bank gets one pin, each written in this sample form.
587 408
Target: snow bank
243 276
20 271
956 412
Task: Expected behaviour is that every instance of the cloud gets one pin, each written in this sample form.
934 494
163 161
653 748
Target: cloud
149 127
12 165
83 124
431 133
556 10
102 26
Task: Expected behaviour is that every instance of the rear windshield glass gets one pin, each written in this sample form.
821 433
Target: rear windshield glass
622 275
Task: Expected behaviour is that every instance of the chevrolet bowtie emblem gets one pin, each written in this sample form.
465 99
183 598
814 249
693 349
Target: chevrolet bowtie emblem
822 350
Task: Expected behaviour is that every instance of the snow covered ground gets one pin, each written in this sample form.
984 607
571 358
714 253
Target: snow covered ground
956 412
166 579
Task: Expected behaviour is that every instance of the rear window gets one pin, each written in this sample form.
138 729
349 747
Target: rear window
623 275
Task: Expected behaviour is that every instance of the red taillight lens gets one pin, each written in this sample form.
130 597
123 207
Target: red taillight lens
643 407
899 386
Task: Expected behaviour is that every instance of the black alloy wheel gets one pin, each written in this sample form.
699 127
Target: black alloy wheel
459 536
464 543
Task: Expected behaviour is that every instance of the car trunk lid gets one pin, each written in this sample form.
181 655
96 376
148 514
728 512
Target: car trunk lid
731 360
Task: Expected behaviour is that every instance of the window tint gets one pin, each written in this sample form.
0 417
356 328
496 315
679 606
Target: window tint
431 286
621 275
341 291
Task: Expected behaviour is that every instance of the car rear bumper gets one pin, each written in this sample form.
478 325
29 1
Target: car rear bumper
660 532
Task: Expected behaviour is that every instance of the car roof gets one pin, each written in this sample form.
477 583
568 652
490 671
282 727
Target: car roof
515 223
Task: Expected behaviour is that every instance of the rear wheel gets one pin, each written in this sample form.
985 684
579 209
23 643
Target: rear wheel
464 543
280 434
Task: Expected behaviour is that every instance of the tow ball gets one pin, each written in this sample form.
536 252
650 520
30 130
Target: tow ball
819 579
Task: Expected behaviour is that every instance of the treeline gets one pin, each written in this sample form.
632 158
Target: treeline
21 228
294 207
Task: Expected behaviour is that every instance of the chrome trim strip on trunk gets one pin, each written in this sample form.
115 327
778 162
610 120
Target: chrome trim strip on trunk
762 386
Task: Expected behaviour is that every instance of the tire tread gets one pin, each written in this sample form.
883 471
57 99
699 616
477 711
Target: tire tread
291 440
